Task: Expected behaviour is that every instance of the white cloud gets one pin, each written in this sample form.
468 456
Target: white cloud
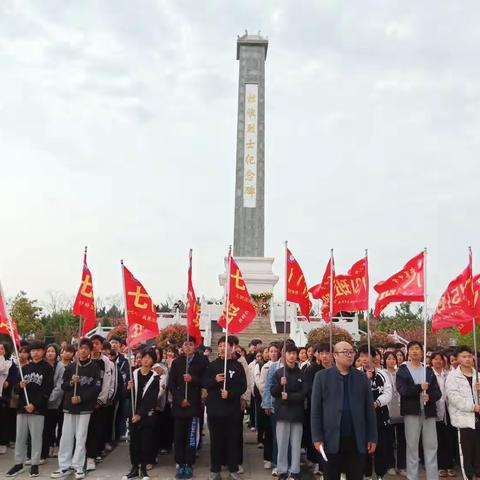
118 125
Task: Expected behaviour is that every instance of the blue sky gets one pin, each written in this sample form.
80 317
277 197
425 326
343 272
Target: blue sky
118 130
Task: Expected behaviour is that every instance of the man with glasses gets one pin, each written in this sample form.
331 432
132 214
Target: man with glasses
343 417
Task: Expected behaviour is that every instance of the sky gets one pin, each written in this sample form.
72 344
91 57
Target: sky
118 131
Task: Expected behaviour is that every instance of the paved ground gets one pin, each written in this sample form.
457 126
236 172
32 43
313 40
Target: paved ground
116 464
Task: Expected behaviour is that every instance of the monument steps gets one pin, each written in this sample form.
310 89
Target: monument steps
259 328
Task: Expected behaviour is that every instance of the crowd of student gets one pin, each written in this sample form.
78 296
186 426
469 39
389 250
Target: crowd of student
353 413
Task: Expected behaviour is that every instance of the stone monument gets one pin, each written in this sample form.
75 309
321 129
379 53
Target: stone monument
249 228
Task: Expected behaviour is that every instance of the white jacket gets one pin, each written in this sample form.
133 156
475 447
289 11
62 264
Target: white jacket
461 399
4 368
108 381
248 392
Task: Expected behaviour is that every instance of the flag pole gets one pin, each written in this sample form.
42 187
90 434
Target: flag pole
331 303
425 316
15 348
80 327
129 350
190 254
474 329
284 354
227 308
367 315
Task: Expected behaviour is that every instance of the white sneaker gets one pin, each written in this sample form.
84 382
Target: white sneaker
240 469
267 465
61 473
28 461
391 471
275 472
108 447
3 449
91 464
79 474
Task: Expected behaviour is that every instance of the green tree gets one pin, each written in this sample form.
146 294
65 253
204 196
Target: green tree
467 339
61 325
27 315
403 319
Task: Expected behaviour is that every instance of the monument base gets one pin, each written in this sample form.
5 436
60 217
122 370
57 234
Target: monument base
257 273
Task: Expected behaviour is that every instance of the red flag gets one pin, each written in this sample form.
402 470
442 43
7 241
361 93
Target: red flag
350 292
407 285
193 309
241 311
322 290
466 327
456 304
84 305
297 291
7 325
140 311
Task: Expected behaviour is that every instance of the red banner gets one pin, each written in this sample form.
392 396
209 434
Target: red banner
322 290
84 305
6 323
407 285
297 291
241 311
141 311
350 291
456 304
193 309
466 327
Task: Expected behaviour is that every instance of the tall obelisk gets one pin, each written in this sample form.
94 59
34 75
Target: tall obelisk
249 229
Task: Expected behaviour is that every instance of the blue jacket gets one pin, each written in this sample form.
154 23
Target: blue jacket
326 413
410 391
267 400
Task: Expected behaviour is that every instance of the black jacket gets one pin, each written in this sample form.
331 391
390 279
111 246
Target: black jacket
327 402
377 384
236 385
146 399
410 393
293 408
308 377
176 385
88 387
123 374
39 378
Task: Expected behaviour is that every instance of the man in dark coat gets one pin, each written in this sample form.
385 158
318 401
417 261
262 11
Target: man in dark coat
343 417
223 408
185 384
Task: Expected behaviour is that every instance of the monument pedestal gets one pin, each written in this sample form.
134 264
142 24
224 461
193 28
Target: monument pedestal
259 277
257 273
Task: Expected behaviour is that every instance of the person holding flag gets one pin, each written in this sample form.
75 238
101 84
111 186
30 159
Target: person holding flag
459 307
223 407
462 390
81 384
146 387
418 396
34 391
185 385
